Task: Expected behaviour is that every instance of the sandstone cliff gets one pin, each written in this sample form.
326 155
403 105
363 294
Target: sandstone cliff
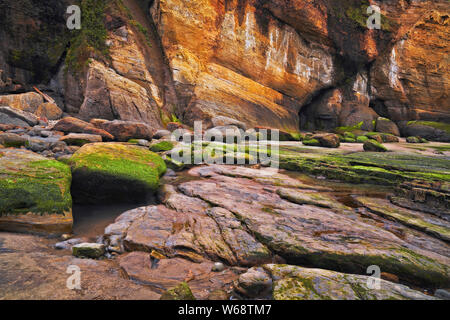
284 64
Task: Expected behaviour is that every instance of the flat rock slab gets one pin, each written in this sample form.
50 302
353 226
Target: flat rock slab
312 198
421 221
193 235
297 283
267 176
316 236
165 274
17 117
32 269
80 139
34 193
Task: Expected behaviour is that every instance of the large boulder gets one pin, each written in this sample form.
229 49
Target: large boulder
115 172
16 117
298 283
74 125
434 131
386 126
331 238
34 193
28 102
327 140
126 130
12 140
373 146
49 111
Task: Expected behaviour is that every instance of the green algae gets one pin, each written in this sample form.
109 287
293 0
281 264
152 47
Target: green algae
41 187
127 162
180 292
311 142
437 125
162 146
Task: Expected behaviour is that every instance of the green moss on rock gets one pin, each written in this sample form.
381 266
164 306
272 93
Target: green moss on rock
30 183
311 142
437 125
115 171
180 292
162 146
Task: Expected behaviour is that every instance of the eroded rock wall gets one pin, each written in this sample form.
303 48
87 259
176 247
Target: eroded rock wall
277 63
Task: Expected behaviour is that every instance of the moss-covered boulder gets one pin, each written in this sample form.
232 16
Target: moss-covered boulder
297 283
362 139
180 292
34 193
12 140
385 125
311 142
433 131
374 146
162 146
115 172
374 136
413 140
88 250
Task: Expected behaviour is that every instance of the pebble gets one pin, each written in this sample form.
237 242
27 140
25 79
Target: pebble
218 267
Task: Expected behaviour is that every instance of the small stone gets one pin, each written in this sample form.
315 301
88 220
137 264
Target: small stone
66 236
254 283
88 250
115 249
67 245
218 267
180 292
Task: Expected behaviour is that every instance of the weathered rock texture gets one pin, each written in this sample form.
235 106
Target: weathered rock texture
223 216
276 63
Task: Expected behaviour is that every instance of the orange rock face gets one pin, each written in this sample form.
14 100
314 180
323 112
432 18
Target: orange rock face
227 58
412 80
276 63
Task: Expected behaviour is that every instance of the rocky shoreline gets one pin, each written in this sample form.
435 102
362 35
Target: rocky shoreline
227 231
182 150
